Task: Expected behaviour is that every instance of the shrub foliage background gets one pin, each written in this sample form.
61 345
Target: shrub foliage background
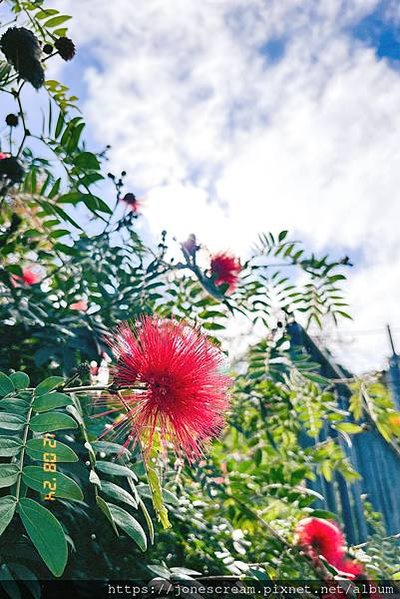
234 512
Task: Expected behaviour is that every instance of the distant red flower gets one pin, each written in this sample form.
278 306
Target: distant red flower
321 537
28 278
185 394
225 270
80 305
351 568
130 200
2 155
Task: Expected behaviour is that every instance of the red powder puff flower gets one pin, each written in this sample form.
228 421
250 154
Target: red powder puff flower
132 202
81 306
28 278
2 155
225 270
321 537
185 395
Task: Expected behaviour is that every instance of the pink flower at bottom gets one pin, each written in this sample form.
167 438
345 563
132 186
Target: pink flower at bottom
321 537
184 395
351 568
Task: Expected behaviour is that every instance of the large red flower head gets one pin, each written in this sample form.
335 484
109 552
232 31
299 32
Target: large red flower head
321 537
185 393
225 270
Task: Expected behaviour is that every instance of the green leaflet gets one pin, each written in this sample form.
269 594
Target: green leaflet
65 487
46 534
48 385
36 449
7 509
6 385
115 469
8 475
103 506
9 446
118 493
50 401
51 421
11 422
20 380
127 522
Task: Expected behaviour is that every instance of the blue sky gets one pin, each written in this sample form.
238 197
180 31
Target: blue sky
234 117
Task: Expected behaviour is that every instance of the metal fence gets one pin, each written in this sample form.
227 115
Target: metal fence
375 459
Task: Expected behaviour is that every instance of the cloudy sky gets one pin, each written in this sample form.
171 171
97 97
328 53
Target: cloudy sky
234 117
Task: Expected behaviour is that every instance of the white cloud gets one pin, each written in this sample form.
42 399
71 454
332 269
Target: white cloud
226 143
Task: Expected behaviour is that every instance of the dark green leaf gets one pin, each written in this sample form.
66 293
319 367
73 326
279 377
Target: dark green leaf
9 446
37 448
8 475
28 578
8 583
87 160
50 401
46 534
129 525
114 469
6 385
51 421
35 477
48 385
103 505
11 422
20 380
118 493
7 509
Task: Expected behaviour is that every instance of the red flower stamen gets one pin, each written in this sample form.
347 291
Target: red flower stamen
184 395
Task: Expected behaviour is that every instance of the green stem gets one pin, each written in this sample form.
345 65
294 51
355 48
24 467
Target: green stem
22 455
